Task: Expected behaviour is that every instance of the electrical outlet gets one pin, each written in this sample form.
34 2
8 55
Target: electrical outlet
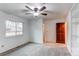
2 45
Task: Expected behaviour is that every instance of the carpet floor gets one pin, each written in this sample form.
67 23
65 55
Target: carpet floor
40 50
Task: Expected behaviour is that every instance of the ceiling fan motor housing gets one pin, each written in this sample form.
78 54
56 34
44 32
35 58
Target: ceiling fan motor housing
35 9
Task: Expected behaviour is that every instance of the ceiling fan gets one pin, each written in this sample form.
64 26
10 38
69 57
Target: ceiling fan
36 11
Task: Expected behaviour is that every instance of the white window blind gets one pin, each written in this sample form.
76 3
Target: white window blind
14 28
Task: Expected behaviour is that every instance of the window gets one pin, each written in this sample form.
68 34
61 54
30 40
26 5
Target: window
19 28
14 28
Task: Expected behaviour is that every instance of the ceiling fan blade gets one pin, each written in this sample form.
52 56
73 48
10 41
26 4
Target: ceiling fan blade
42 8
44 14
29 8
50 12
25 11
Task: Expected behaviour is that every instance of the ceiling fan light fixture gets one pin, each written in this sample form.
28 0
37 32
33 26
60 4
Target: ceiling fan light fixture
36 14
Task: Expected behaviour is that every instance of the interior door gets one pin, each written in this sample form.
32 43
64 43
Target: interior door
60 32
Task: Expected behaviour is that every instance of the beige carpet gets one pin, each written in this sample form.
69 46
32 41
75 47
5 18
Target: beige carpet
41 50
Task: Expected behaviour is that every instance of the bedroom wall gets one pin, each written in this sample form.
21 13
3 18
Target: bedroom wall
36 30
51 26
75 30
7 43
68 18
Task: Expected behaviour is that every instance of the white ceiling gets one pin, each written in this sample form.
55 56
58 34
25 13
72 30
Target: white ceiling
55 9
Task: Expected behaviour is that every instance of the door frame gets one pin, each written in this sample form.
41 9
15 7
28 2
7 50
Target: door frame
66 31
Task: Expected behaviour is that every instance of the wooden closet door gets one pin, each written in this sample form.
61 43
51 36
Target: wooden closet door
60 32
